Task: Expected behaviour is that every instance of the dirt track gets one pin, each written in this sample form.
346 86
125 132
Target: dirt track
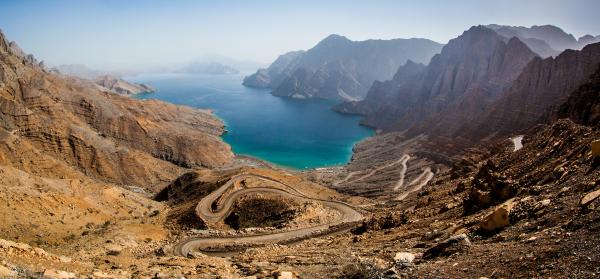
207 211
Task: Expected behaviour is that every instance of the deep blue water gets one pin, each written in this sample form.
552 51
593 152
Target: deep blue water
292 133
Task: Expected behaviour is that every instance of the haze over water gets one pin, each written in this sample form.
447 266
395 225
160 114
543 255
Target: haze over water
292 133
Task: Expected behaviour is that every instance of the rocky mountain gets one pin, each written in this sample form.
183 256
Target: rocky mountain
545 40
275 73
338 68
542 86
469 73
212 68
120 86
59 126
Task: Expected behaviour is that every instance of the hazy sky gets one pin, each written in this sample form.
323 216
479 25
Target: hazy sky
136 33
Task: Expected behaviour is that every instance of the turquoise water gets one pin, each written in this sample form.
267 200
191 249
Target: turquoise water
291 133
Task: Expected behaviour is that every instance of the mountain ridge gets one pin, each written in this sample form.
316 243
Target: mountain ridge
338 68
478 64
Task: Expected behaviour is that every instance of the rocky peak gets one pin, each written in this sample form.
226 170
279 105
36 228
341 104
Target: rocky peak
16 50
588 39
476 41
408 70
333 40
3 43
472 59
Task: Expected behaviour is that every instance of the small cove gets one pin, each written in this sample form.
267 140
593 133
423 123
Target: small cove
298 134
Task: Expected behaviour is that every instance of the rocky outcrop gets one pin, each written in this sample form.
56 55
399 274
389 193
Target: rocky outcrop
340 69
488 187
54 120
121 86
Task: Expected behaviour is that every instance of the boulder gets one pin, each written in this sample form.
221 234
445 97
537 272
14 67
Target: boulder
589 198
113 249
6 272
404 259
448 247
57 274
499 218
285 275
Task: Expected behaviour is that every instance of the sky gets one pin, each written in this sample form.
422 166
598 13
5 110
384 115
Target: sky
142 33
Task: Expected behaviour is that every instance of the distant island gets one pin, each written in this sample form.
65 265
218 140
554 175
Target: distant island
121 86
211 68
107 81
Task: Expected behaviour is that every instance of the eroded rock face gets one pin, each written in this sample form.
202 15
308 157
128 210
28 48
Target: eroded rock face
103 135
583 105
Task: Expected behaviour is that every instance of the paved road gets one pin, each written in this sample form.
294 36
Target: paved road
215 207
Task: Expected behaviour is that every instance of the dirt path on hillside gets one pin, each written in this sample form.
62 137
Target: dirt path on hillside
402 160
400 182
517 142
417 183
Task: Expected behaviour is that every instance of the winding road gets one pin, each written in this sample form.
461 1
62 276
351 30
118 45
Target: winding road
215 207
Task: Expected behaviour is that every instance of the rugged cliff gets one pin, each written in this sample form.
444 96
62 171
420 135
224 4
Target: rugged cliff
540 89
340 69
48 119
458 83
583 105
